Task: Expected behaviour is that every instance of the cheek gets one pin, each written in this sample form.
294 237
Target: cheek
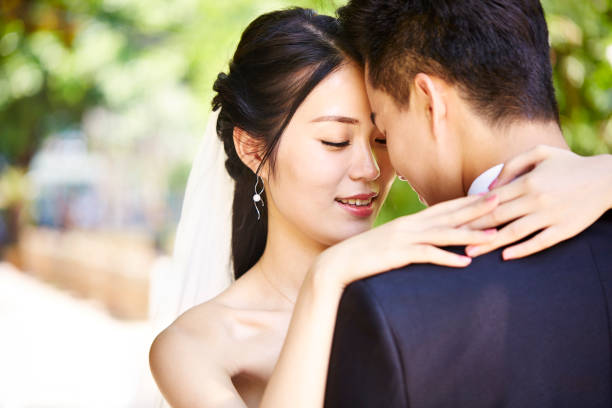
306 181
407 149
400 154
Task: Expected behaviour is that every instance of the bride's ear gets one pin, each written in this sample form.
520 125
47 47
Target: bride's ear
249 149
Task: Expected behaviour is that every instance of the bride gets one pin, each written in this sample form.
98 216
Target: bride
310 172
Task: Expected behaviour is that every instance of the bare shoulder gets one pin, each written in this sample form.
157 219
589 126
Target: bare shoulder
206 326
188 359
201 327
208 351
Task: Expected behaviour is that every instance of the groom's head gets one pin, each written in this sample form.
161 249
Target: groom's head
439 71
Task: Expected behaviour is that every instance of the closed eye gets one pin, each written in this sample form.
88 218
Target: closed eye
340 144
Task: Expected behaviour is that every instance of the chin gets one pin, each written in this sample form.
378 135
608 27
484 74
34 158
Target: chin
355 228
340 233
338 228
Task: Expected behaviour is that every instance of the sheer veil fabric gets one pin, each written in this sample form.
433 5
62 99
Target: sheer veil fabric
202 247
200 267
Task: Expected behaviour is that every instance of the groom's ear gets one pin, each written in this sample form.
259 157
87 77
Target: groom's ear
429 98
248 148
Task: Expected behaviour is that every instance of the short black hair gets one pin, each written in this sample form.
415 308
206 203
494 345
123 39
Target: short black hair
496 51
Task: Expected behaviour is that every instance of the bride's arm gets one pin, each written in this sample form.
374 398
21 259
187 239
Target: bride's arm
299 376
556 192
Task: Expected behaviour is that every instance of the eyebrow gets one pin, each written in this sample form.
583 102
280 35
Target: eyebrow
341 119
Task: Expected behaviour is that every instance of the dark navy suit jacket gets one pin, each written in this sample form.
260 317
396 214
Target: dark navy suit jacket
533 332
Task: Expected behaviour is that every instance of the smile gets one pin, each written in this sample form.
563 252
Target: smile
361 205
358 203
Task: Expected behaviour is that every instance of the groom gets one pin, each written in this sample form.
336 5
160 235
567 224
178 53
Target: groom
458 87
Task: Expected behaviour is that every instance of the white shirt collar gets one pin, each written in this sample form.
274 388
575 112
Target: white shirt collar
482 182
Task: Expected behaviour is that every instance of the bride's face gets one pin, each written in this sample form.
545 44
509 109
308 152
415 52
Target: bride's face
332 167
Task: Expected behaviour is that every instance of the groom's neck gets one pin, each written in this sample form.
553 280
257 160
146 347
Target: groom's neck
487 146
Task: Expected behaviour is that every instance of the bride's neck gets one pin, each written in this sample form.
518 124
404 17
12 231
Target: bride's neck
287 256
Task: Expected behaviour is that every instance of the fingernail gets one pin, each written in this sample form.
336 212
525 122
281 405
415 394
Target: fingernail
490 231
491 197
483 193
471 251
507 255
493 184
466 259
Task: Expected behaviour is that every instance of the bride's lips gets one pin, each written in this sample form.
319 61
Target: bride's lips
362 210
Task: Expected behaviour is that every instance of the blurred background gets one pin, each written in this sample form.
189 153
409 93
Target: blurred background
102 107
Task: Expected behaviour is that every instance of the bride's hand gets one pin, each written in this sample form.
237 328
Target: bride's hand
556 192
410 239
299 375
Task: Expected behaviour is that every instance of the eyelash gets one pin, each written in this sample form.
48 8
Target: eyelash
341 144
344 144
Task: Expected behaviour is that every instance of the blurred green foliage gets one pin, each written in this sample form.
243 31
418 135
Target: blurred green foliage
581 40
61 58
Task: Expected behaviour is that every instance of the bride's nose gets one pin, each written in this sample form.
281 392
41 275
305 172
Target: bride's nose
364 165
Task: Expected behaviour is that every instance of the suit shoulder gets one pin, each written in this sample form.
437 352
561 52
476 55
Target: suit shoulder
574 253
420 278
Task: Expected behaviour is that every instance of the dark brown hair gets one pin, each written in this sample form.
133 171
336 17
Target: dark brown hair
496 51
280 58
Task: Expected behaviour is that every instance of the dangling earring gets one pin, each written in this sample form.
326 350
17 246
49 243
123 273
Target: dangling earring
257 196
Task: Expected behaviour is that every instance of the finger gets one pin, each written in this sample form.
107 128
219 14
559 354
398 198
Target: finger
468 213
414 253
456 236
545 239
434 255
504 213
517 188
450 205
512 232
521 164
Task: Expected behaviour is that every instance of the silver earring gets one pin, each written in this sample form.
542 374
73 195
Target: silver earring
257 196
402 178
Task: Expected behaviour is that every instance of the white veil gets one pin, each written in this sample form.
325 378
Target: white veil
202 248
200 267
